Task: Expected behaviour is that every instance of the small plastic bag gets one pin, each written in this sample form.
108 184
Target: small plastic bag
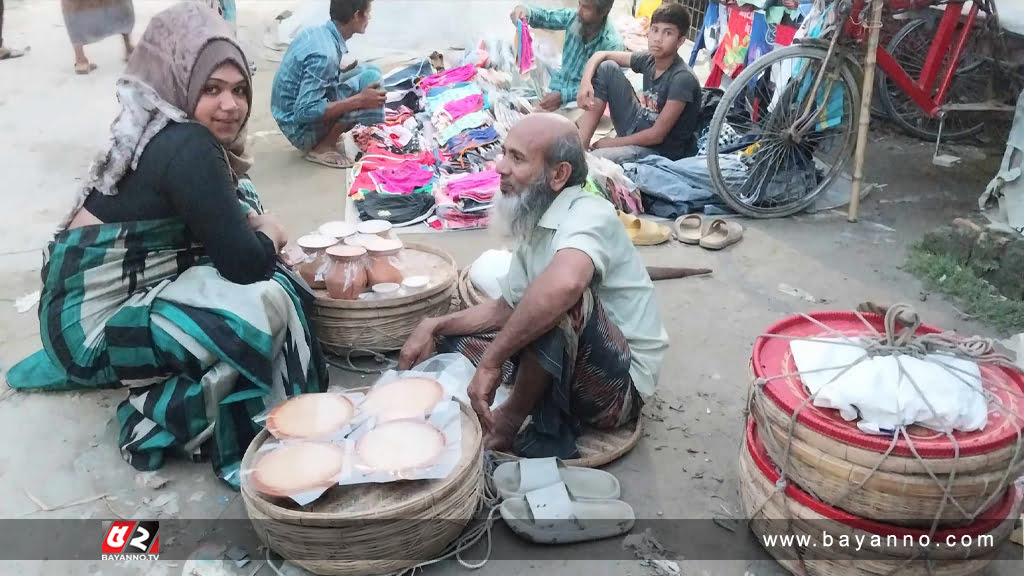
346 277
273 470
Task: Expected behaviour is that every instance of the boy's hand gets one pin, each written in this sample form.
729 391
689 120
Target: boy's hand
585 97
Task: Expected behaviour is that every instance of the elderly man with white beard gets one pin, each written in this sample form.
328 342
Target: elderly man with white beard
577 332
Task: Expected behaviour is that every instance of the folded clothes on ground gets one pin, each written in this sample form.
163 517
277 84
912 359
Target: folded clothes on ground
460 74
468 122
439 97
470 139
458 108
405 178
479 187
397 209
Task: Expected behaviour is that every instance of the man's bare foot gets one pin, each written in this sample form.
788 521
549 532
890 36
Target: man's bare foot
505 427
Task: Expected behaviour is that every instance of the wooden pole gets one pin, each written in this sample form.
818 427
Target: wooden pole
867 92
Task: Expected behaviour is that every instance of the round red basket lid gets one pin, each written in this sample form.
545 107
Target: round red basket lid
987 522
773 358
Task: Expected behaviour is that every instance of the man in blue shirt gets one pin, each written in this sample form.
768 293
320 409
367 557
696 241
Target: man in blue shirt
587 31
313 101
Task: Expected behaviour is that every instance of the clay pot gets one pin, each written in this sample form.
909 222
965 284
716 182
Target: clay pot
382 269
314 246
338 229
346 276
380 228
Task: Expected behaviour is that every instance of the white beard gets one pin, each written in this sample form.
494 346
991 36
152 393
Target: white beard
515 217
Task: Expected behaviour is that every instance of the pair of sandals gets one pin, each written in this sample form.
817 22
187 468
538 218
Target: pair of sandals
719 233
547 502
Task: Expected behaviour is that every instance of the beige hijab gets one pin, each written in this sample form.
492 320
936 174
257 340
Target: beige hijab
179 50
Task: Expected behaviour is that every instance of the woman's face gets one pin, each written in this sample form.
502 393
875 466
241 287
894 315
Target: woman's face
224 103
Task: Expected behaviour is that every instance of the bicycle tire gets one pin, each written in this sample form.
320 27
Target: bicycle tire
737 90
920 125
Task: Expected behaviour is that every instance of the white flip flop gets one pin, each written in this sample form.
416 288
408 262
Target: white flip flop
515 479
550 516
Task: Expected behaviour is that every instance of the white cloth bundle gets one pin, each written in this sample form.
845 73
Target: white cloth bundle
486 271
882 397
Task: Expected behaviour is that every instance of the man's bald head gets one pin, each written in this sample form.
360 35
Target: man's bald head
543 146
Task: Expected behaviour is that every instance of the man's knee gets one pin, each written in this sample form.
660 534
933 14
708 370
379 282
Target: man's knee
370 73
608 70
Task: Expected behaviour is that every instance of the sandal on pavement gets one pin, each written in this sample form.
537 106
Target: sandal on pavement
644 232
10 53
551 516
689 228
721 233
516 479
83 68
330 158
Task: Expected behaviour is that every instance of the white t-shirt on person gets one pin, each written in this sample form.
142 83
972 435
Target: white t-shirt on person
580 220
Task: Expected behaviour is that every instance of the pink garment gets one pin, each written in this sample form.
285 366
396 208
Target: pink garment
402 179
460 74
459 108
524 41
480 186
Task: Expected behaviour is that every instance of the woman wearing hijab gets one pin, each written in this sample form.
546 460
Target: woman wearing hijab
89 21
163 277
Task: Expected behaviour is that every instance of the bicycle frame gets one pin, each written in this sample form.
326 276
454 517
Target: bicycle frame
947 42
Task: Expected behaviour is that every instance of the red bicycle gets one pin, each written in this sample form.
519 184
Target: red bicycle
786 127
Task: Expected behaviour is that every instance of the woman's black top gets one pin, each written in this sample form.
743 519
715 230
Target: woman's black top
184 173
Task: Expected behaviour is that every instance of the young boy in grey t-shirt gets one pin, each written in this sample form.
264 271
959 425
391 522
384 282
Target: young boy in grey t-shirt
661 121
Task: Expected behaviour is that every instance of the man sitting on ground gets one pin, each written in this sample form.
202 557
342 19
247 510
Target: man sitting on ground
578 329
313 101
587 31
664 120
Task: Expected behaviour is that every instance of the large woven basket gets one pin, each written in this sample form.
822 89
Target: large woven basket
829 456
469 294
600 447
792 511
372 529
384 325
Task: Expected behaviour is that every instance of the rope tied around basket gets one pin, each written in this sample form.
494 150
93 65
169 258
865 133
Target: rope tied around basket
901 324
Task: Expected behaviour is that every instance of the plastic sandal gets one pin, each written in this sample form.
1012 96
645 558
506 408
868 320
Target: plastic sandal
721 233
689 228
515 479
551 516
331 159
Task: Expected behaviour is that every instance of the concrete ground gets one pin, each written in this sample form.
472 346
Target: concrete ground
61 448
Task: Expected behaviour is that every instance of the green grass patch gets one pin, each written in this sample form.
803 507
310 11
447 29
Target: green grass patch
976 297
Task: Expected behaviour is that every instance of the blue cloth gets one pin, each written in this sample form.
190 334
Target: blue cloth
405 79
309 79
471 139
672 188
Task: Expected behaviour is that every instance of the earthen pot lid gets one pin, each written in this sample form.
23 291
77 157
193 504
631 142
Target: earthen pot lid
346 251
338 229
374 227
316 241
383 247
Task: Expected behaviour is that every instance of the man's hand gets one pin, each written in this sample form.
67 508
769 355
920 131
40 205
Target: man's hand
550 102
371 97
419 347
481 394
519 13
585 97
269 225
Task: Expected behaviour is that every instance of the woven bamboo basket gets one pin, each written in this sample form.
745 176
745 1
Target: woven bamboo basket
384 325
827 454
792 511
600 447
371 529
469 294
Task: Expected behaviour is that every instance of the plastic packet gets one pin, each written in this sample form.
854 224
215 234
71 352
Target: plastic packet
346 276
367 448
307 432
299 470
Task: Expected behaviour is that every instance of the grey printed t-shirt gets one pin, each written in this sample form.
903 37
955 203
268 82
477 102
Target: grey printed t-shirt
677 83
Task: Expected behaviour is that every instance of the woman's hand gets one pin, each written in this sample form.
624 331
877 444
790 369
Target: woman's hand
269 225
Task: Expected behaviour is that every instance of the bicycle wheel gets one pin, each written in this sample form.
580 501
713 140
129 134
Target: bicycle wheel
783 146
909 47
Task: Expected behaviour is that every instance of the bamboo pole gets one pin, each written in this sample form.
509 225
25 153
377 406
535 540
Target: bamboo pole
867 92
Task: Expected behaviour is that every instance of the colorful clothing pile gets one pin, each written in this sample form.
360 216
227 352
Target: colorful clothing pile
455 75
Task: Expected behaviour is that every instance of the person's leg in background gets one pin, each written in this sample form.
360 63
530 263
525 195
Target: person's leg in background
613 91
5 52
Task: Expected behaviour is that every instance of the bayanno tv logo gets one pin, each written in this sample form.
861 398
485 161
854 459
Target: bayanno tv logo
132 541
